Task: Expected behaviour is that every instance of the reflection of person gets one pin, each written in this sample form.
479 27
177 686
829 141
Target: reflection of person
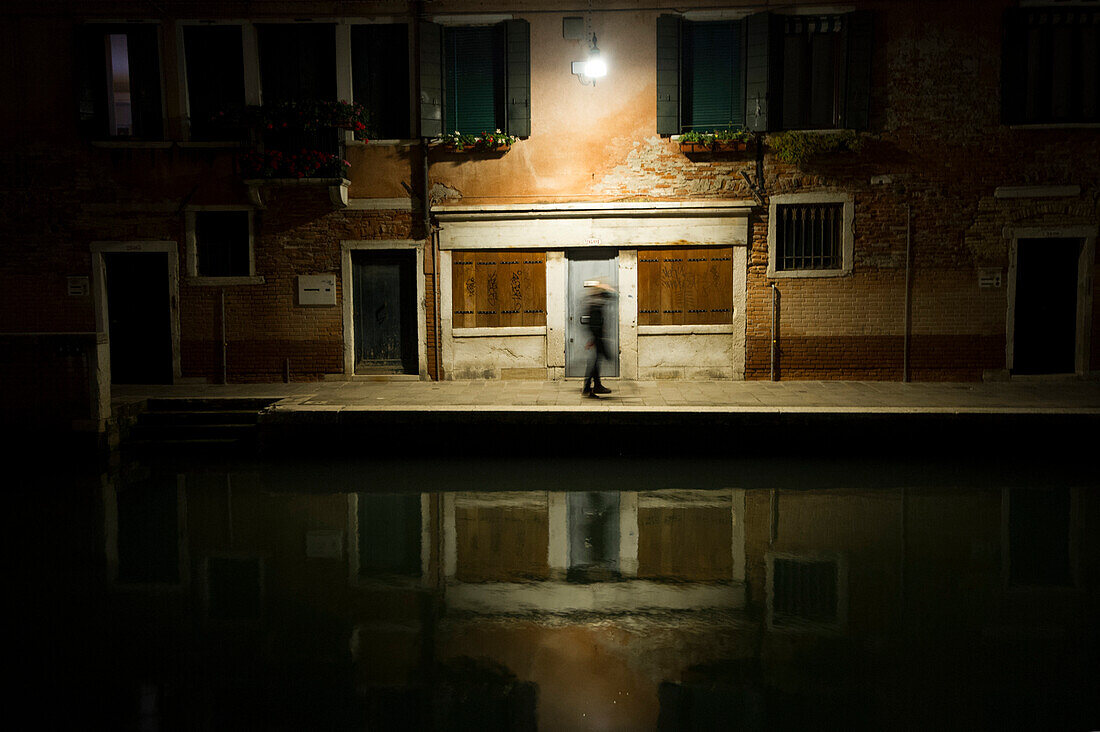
594 315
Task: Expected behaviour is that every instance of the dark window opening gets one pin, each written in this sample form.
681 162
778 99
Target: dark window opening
809 237
222 244
380 77
1051 66
215 80
712 91
813 73
474 84
804 590
119 81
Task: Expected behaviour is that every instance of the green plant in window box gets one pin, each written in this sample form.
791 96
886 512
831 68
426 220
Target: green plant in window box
731 139
303 164
495 141
798 146
308 115
695 142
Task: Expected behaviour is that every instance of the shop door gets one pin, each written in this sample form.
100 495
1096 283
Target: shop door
384 297
593 519
139 323
1045 322
587 266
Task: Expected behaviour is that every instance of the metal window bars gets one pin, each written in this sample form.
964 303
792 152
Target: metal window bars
809 236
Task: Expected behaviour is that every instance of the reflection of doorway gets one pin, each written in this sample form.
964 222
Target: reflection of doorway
593 519
384 297
1044 327
585 266
139 317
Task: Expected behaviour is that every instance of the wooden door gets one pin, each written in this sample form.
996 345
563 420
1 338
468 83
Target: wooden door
139 317
1045 314
384 313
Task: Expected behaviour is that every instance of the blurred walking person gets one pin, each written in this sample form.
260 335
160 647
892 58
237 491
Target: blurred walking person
595 306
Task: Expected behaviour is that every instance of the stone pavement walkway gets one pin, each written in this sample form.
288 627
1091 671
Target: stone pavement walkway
1018 396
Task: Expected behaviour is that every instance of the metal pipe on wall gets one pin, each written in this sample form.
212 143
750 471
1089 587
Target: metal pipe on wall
908 286
225 343
775 333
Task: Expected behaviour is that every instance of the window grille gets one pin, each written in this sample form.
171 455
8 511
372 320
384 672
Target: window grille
808 236
804 591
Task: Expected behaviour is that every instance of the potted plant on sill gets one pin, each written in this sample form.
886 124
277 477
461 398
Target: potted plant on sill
306 115
731 140
695 142
798 147
463 142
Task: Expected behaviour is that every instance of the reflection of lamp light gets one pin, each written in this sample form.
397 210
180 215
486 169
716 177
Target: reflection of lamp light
594 68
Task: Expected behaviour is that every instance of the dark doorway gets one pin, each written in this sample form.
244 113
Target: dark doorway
139 317
384 296
593 519
1045 331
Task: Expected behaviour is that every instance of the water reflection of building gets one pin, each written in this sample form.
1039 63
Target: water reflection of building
679 609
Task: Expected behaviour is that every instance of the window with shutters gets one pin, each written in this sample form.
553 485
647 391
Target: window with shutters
214 63
475 79
380 77
499 288
1050 72
219 242
810 235
298 64
685 286
806 592
119 82
813 72
712 93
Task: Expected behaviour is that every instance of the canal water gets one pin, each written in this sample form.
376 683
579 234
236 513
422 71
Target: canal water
624 592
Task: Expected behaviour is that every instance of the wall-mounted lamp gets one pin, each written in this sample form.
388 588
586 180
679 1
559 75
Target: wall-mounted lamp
594 68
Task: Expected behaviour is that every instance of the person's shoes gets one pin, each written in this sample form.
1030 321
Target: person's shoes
592 394
600 389
587 390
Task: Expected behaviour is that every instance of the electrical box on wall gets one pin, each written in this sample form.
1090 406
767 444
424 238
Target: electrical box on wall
317 289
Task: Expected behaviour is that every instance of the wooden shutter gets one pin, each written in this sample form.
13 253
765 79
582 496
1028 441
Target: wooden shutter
668 74
685 286
763 64
518 82
143 43
857 104
431 79
505 288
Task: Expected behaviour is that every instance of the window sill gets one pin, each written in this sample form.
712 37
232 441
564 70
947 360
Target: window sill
708 329
1056 126
200 281
803 273
133 144
210 144
383 143
500 331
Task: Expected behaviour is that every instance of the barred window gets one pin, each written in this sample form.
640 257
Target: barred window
685 286
809 236
498 288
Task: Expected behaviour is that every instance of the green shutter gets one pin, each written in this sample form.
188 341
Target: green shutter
668 74
857 104
712 59
518 86
763 64
143 44
473 78
431 79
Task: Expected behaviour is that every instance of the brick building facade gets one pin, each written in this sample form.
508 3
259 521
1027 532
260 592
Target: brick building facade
960 234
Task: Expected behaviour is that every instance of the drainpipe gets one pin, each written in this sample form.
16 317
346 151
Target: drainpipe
224 342
425 201
908 286
775 333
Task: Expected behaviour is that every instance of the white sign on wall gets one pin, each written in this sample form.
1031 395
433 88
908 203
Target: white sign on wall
317 289
989 277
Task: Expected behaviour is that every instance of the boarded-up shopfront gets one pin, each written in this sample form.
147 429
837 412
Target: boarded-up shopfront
510 306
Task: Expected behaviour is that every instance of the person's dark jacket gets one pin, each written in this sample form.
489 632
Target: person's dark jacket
595 314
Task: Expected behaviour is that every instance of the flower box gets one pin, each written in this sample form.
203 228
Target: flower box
694 147
476 148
